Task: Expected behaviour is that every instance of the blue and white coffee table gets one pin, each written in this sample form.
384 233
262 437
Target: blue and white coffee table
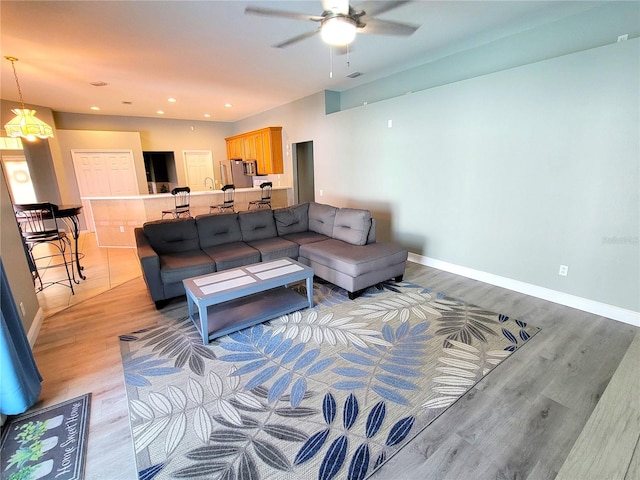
231 300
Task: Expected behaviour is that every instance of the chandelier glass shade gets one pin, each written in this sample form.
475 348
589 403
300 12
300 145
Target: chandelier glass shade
338 30
25 124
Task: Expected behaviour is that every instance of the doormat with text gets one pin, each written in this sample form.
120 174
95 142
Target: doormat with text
49 443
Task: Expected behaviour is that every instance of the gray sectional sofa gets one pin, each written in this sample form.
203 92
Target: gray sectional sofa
338 243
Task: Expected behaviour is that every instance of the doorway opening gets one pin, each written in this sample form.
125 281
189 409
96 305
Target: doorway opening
303 178
160 168
18 178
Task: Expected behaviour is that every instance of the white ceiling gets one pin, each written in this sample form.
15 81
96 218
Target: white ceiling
208 53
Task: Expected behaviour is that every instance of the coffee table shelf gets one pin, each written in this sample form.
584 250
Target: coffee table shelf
224 302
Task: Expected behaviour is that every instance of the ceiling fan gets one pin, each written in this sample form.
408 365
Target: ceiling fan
340 21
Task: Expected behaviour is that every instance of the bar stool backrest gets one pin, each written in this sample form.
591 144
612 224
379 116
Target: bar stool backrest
182 197
266 190
38 221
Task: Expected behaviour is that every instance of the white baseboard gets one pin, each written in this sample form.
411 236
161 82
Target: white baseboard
603 309
32 335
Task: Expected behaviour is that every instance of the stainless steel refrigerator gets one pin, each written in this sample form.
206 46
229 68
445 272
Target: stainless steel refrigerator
239 179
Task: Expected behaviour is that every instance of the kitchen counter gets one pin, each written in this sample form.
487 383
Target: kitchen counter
114 218
239 191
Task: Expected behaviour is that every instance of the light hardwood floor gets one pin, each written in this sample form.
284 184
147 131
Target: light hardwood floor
104 268
520 422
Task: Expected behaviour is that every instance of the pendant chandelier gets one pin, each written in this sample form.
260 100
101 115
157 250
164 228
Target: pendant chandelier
25 124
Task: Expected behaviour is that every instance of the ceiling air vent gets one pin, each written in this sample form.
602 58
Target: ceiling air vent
354 75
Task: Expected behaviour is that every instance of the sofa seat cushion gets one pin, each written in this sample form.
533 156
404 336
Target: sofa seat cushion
305 237
353 260
272 248
175 267
257 225
232 255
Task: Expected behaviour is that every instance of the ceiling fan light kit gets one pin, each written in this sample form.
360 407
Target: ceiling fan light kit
25 124
338 30
340 22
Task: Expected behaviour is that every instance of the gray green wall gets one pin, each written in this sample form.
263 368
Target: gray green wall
511 173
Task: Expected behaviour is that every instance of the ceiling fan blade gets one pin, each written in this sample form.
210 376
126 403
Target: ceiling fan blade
269 12
376 8
384 27
297 38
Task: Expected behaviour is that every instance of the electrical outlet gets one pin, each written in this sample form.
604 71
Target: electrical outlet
564 270
121 228
390 123
321 192
24 312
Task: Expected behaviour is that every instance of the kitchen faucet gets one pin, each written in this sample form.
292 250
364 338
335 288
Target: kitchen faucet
205 182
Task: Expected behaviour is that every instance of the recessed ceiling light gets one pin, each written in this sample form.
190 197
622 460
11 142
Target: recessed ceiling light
95 108
99 83
206 115
160 112
228 105
171 100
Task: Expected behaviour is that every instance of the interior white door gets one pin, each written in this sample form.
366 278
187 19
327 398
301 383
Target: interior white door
103 174
122 175
198 165
91 173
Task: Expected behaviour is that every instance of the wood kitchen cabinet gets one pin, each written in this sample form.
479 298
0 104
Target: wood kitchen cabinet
234 148
264 145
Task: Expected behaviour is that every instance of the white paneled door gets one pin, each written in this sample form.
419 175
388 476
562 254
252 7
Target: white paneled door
198 166
122 175
104 174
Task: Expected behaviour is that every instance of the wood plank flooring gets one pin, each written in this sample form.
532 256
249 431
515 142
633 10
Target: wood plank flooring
521 422
618 412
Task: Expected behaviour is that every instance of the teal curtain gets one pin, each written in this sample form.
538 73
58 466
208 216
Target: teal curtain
20 380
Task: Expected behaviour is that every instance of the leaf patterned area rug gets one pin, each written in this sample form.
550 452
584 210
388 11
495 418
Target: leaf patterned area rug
328 392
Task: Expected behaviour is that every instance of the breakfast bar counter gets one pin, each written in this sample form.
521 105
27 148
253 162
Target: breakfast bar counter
114 218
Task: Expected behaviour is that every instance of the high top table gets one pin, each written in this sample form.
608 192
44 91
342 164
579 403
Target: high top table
231 300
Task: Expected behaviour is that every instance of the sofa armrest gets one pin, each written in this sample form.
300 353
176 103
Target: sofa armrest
150 263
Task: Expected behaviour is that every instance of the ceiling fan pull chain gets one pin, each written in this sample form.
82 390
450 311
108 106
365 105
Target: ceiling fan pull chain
330 62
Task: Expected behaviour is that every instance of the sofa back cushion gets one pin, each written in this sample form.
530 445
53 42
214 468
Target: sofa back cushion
321 218
257 225
216 229
172 236
352 225
293 219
